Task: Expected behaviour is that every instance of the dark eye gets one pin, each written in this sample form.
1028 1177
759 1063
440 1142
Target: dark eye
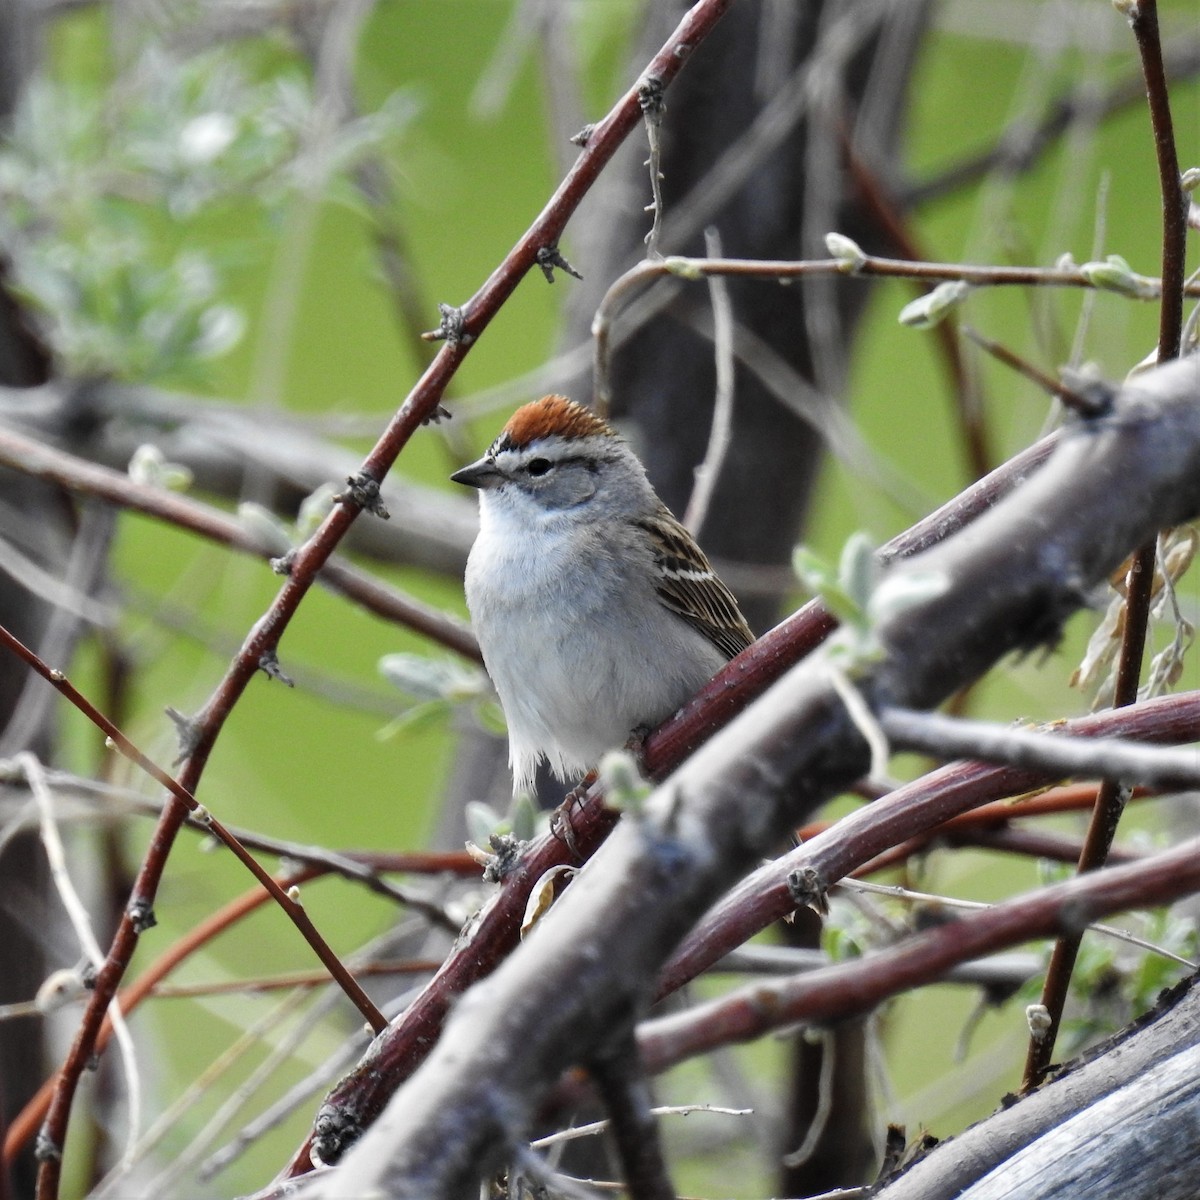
538 466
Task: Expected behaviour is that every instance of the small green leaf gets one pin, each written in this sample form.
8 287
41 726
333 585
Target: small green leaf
150 466
433 678
523 817
813 570
491 717
858 569
414 718
314 508
822 580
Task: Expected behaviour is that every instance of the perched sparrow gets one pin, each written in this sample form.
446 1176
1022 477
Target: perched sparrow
596 611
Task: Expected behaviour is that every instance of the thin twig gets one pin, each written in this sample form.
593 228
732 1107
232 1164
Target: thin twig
166 1181
81 923
304 980
1143 20
820 1119
25 1123
1081 403
720 432
896 225
869 266
650 95
662 1110
83 478
360 866
1113 796
846 989
285 1105
942 901
1017 154
140 911
626 1094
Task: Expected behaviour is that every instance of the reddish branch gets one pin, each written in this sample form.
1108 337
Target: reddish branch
838 992
142 915
1110 803
26 1122
464 330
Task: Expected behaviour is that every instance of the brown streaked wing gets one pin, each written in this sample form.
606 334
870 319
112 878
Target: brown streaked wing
690 587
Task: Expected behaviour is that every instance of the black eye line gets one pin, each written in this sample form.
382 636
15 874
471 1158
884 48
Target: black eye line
587 460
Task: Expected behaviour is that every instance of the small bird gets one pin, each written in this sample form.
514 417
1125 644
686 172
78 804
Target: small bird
597 613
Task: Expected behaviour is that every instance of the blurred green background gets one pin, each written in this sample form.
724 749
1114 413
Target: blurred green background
321 339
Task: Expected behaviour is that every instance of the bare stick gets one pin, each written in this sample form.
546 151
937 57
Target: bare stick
81 923
721 431
648 271
622 1083
1110 804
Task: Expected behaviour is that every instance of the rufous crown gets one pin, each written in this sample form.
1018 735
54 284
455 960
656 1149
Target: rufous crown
551 416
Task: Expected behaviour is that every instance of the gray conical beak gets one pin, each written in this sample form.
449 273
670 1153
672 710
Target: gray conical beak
481 474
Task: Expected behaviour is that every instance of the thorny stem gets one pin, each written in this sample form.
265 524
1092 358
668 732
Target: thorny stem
650 96
420 404
1111 800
